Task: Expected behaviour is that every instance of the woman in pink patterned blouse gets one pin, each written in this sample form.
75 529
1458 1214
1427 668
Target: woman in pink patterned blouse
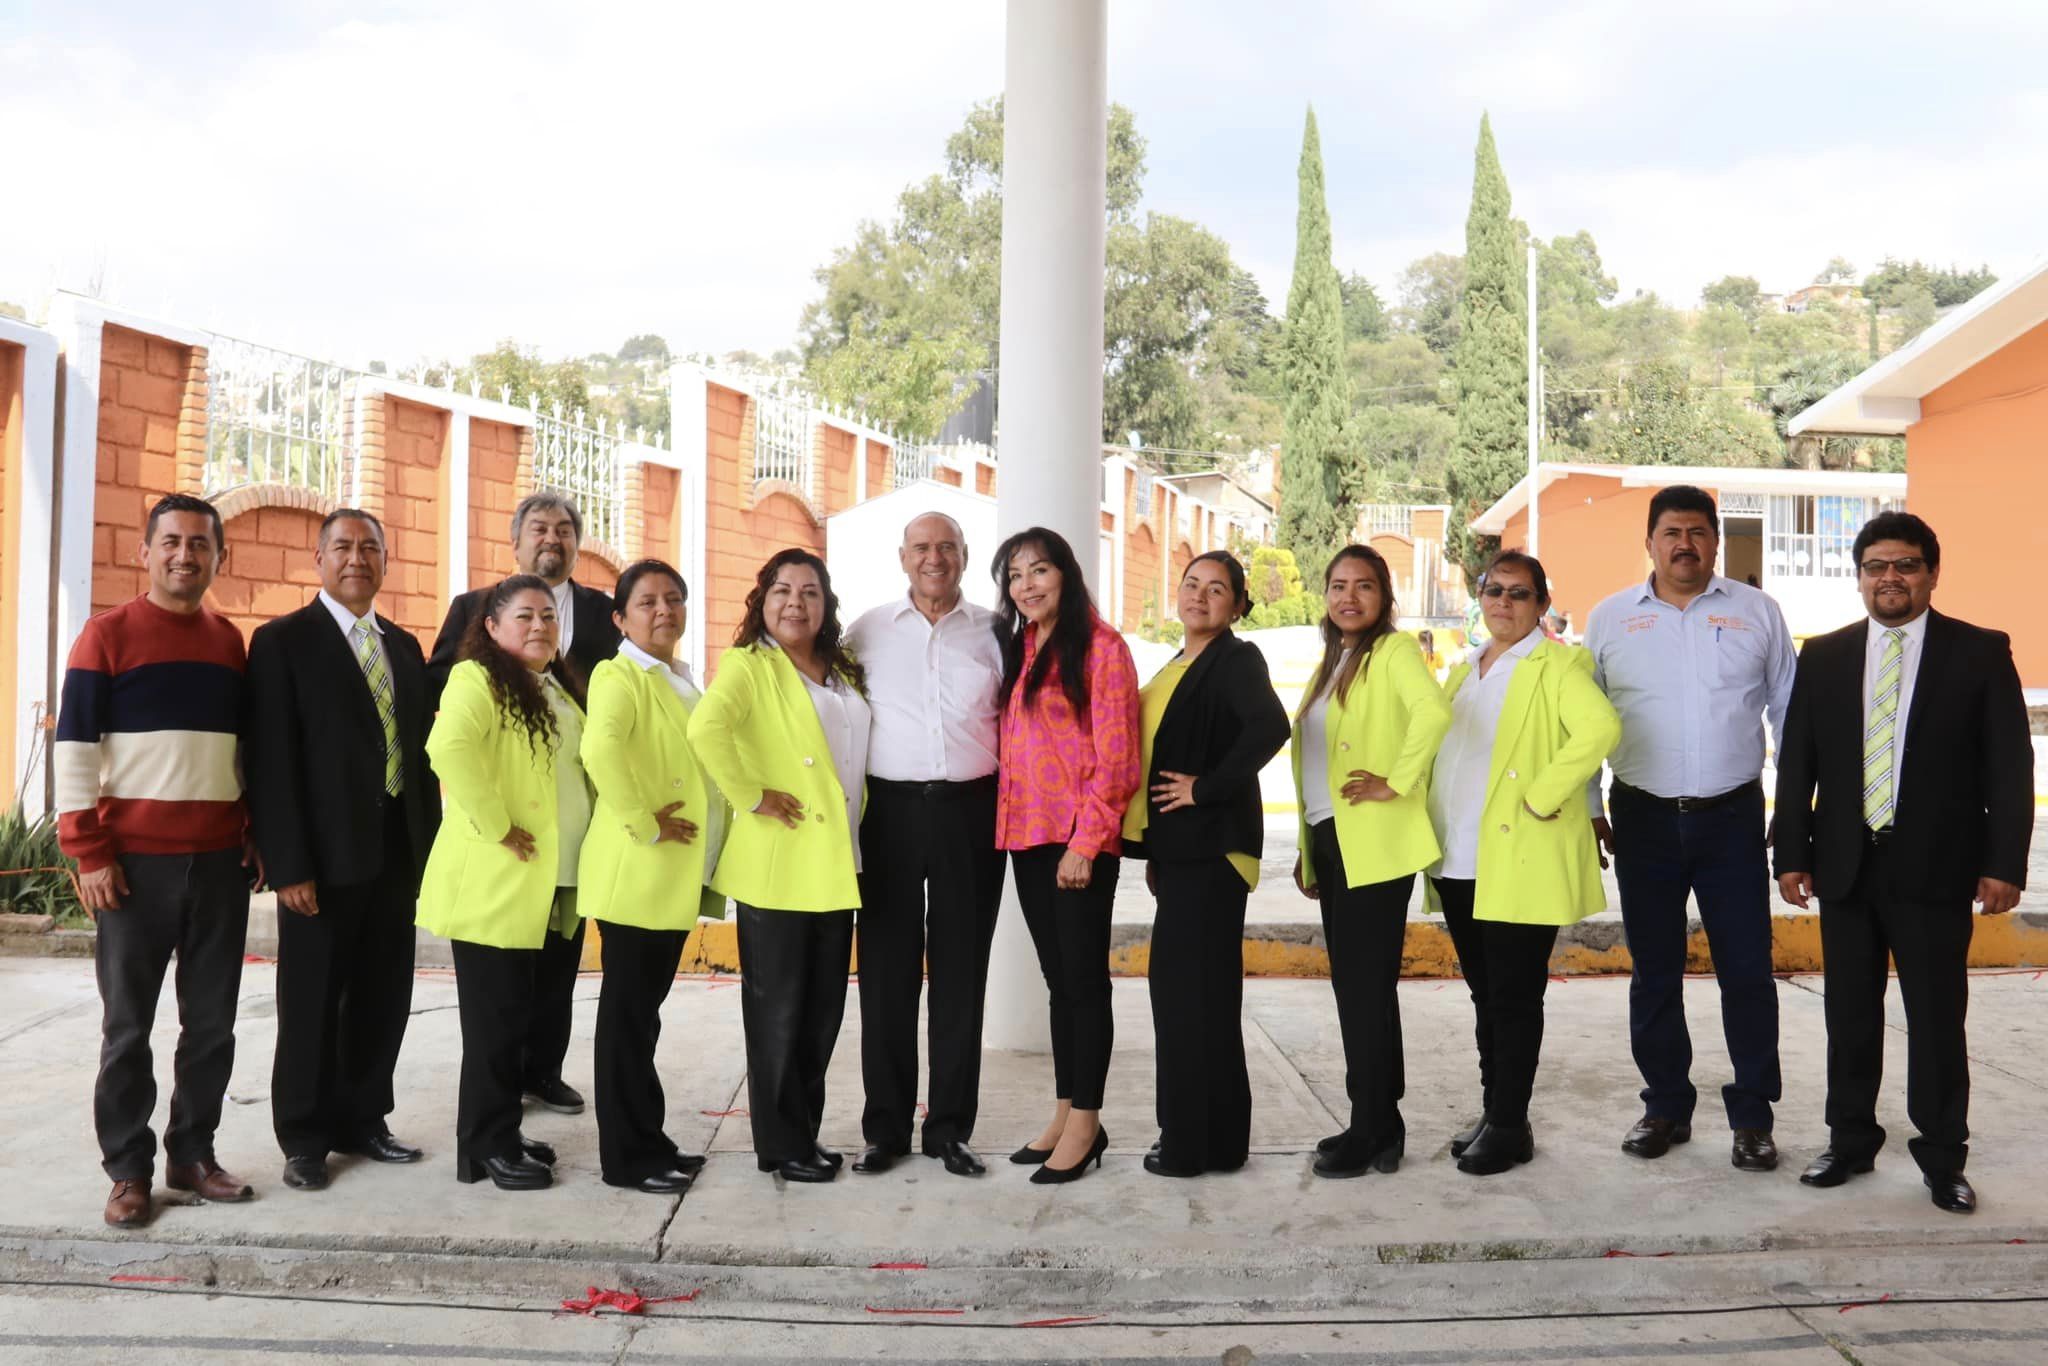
1069 764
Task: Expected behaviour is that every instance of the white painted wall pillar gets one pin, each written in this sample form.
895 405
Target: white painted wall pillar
35 666
455 508
689 412
79 327
1049 394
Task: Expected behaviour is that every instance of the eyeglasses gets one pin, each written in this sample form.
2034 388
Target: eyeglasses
1907 567
1515 594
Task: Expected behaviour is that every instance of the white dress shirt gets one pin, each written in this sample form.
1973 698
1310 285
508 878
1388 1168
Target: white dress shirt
572 790
711 824
1316 804
1693 686
1457 785
1909 670
565 616
348 621
933 687
846 718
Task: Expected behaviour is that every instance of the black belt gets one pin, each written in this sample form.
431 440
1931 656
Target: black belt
936 789
1686 805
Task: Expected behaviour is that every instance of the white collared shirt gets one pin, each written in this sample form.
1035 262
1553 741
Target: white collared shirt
565 616
1457 785
1316 803
711 824
845 717
1693 686
572 790
933 688
1909 670
348 621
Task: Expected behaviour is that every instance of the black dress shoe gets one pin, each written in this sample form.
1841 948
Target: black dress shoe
306 1173
381 1148
809 1170
1049 1175
1498 1148
1347 1160
689 1164
1832 1169
1156 1163
543 1153
1028 1156
1753 1151
660 1183
1952 1192
875 1159
1654 1137
1333 1142
556 1095
506 1173
960 1159
831 1157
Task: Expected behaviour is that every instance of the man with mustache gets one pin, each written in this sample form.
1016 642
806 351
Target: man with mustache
546 532
149 801
1905 786
1695 663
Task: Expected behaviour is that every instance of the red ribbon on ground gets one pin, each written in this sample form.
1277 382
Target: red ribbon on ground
624 1301
1865 1304
148 1280
1057 1323
873 1310
1618 1252
898 1266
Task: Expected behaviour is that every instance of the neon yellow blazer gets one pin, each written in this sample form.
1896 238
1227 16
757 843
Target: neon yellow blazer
1556 727
636 750
475 889
1391 724
756 729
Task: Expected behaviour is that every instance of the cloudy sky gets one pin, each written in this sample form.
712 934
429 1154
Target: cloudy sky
399 178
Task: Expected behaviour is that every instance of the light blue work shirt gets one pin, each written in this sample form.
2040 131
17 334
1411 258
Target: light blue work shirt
1693 686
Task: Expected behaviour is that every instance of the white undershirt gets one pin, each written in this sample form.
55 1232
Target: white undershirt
846 718
1457 786
1316 802
572 792
565 616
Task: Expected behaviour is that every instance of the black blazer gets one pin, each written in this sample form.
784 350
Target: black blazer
1223 724
314 753
1965 786
594 640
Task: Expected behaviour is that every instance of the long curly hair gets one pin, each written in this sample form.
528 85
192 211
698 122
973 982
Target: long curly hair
1072 630
1333 664
753 627
514 687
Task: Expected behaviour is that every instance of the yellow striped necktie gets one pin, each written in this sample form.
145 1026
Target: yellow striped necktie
1880 730
379 675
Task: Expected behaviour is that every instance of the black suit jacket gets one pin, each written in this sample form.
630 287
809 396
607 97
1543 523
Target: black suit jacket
593 640
1965 805
1223 724
314 752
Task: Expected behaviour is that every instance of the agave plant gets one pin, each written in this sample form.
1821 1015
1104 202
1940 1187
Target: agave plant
35 876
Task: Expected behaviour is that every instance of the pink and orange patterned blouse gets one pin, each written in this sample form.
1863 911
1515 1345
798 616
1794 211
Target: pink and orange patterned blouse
1065 779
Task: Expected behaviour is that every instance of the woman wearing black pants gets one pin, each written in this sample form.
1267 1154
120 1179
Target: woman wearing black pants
1371 720
1210 721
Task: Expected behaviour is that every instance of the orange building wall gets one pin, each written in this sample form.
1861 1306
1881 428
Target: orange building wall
415 454
270 568
1975 450
739 534
1397 550
142 394
1592 531
493 493
11 361
658 512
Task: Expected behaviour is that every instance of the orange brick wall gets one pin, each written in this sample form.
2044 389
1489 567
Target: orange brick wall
658 513
415 454
142 394
835 448
594 569
1397 550
739 535
880 469
985 479
270 567
493 493
11 361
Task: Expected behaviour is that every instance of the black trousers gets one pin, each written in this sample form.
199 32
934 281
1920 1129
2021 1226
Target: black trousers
1196 980
1717 855
931 885
494 990
1507 969
547 1024
1365 929
1930 944
344 996
639 968
1070 930
793 967
195 908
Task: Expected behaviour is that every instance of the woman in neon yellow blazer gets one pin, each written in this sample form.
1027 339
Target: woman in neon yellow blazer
1370 722
502 873
1528 728
657 831
783 732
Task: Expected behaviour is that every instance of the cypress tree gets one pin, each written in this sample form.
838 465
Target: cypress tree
1317 385
1491 361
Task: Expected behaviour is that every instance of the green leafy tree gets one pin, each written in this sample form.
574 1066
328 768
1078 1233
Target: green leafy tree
646 346
1365 317
1947 287
1406 447
1722 331
1169 283
1838 271
520 368
1491 365
1317 393
1432 289
1401 369
1739 292
1916 309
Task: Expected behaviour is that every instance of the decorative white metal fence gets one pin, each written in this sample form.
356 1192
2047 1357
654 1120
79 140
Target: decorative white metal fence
1141 493
782 442
911 461
277 418
1381 519
582 462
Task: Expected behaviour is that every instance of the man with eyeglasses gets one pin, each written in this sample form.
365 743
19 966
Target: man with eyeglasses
1694 663
1905 792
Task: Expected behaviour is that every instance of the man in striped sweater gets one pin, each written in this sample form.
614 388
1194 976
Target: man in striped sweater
149 801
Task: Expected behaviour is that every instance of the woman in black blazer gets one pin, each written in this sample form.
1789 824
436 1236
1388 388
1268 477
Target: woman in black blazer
1210 722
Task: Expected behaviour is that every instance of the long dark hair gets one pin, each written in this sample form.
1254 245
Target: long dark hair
514 687
1072 630
1333 663
753 628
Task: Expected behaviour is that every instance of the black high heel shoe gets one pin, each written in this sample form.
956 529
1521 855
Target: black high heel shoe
543 1153
1054 1176
1028 1156
506 1173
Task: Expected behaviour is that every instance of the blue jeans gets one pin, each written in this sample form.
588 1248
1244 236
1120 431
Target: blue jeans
1717 856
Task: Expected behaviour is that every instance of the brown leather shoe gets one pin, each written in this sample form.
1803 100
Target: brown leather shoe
206 1180
128 1206
1753 1151
1654 1137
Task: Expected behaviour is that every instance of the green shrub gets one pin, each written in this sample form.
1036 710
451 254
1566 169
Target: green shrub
35 877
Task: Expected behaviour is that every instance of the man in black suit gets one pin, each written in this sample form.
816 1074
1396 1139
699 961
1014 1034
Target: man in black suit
344 808
1911 728
546 532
